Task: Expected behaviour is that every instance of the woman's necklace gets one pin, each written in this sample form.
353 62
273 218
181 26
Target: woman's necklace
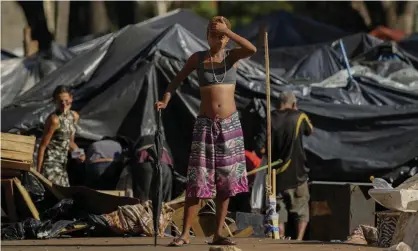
213 70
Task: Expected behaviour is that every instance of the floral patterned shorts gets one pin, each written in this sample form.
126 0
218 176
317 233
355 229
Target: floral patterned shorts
217 166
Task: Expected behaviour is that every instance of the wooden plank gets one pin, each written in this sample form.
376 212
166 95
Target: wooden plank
6 154
15 165
18 138
27 198
17 146
7 185
245 233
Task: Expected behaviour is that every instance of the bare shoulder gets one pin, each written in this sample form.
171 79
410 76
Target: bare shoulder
53 120
194 58
76 115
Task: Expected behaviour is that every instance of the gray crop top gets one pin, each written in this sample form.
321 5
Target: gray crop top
206 76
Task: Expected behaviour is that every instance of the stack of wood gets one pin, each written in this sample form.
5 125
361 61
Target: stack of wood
16 157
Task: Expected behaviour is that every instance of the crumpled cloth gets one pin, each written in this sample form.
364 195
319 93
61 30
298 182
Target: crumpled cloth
137 219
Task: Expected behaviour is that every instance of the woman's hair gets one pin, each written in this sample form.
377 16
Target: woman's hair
218 19
59 90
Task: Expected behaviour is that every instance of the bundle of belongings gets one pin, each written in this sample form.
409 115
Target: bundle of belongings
137 219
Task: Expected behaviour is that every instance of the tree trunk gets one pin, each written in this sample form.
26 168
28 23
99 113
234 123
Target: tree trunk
62 21
35 16
30 46
139 12
50 12
361 8
406 19
99 20
391 9
161 7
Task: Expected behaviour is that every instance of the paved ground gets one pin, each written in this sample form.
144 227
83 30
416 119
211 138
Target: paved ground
145 244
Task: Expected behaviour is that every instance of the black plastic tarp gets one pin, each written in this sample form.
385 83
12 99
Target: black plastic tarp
287 57
129 75
317 66
18 75
21 74
356 44
286 29
410 44
7 55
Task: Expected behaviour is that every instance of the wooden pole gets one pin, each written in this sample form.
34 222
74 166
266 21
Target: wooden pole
271 176
267 62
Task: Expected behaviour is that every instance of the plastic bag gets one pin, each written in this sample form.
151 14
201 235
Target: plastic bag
60 211
20 230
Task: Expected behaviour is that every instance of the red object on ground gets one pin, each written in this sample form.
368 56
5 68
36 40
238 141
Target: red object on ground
386 33
253 162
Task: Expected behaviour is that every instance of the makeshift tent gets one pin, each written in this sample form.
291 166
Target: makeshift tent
286 29
287 57
357 44
18 75
21 74
117 83
317 66
388 51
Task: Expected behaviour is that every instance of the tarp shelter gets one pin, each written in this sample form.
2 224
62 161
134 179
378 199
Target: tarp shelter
21 74
286 58
18 75
317 66
286 29
116 84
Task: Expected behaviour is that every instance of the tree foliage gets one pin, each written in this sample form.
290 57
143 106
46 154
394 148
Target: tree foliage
243 13
238 13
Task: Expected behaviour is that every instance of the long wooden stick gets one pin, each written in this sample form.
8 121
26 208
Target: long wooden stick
271 181
267 61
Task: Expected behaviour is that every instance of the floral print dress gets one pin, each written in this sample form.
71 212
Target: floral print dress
55 161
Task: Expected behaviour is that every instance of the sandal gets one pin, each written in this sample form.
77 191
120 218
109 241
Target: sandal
179 242
223 241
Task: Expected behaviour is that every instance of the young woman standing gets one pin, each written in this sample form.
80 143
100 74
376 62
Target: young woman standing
58 139
217 167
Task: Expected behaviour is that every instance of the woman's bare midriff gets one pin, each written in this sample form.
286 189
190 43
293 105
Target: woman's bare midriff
217 100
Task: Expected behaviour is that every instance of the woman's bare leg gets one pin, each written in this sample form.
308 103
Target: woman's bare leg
221 212
190 212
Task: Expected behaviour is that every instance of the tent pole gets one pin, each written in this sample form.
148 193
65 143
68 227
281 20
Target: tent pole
271 215
347 64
